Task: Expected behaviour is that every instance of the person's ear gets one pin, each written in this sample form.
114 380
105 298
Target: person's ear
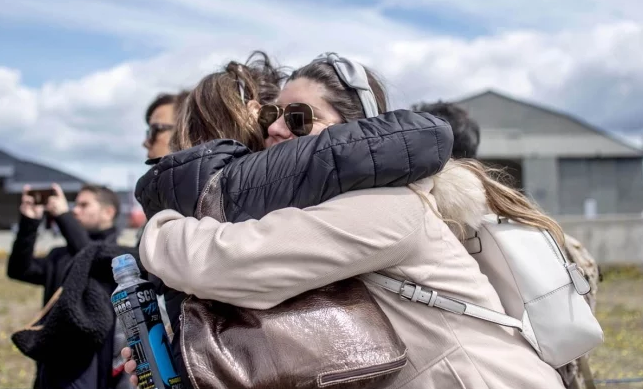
109 212
253 108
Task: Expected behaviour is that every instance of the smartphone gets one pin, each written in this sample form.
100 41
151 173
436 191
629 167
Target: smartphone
41 195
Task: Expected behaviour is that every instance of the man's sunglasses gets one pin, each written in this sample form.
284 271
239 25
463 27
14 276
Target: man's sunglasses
156 128
299 118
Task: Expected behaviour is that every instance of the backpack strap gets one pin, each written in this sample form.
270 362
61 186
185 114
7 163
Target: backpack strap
415 293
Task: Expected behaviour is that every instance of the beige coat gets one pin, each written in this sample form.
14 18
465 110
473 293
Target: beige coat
260 263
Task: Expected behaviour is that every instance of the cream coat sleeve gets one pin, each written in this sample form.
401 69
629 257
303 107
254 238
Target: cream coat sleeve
260 263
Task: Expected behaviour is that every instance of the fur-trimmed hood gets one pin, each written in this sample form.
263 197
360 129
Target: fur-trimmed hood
459 197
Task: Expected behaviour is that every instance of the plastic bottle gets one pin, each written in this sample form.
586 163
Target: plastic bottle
137 308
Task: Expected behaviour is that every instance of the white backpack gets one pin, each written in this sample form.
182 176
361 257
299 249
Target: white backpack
541 292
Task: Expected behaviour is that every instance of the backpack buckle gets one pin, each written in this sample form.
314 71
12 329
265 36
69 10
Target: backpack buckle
578 279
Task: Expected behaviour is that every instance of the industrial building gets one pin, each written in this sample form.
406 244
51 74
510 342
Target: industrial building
568 166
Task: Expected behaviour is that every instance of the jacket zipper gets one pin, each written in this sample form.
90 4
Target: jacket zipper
552 244
573 272
555 248
364 372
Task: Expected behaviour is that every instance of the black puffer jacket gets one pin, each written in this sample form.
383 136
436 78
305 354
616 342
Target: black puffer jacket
392 149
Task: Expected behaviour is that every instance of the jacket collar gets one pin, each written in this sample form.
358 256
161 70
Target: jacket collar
153 161
108 235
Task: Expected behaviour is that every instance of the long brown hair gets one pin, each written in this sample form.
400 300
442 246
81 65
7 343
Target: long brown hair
504 201
216 108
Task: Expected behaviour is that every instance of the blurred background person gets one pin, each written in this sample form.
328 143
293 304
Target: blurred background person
90 220
160 117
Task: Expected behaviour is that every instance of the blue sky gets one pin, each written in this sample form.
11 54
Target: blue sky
76 75
44 52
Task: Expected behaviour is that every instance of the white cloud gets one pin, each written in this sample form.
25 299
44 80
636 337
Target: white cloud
594 73
93 126
17 104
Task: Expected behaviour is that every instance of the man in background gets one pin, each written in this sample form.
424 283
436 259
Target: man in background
466 139
161 117
466 131
161 120
91 220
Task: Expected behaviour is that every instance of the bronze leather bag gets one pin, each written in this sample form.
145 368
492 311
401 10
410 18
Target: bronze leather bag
336 336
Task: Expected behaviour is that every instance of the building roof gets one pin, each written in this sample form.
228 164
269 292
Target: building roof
569 136
16 172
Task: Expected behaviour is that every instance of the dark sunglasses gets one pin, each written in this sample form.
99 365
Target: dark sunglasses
299 118
156 128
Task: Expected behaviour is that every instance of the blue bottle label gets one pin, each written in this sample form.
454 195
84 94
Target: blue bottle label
138 310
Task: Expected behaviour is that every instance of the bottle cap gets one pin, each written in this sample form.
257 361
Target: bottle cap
124 264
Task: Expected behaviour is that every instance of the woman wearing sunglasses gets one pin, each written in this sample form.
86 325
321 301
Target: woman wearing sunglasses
214 171
396 231
315 97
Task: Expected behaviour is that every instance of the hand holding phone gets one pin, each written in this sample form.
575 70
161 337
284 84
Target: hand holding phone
31 208
41 196
56 203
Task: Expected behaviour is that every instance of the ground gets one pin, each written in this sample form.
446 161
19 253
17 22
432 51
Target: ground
620 311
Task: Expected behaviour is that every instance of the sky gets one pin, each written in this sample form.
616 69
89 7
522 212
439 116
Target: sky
77 75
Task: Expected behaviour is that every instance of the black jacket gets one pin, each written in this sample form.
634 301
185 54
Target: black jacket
51 270
82 316
393 149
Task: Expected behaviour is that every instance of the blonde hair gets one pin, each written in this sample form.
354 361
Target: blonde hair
214 109
501 200
507 202
217 107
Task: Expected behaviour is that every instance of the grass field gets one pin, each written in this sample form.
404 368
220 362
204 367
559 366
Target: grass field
620 311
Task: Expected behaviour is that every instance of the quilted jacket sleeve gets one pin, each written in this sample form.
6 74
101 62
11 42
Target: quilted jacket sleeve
392 149
177 180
